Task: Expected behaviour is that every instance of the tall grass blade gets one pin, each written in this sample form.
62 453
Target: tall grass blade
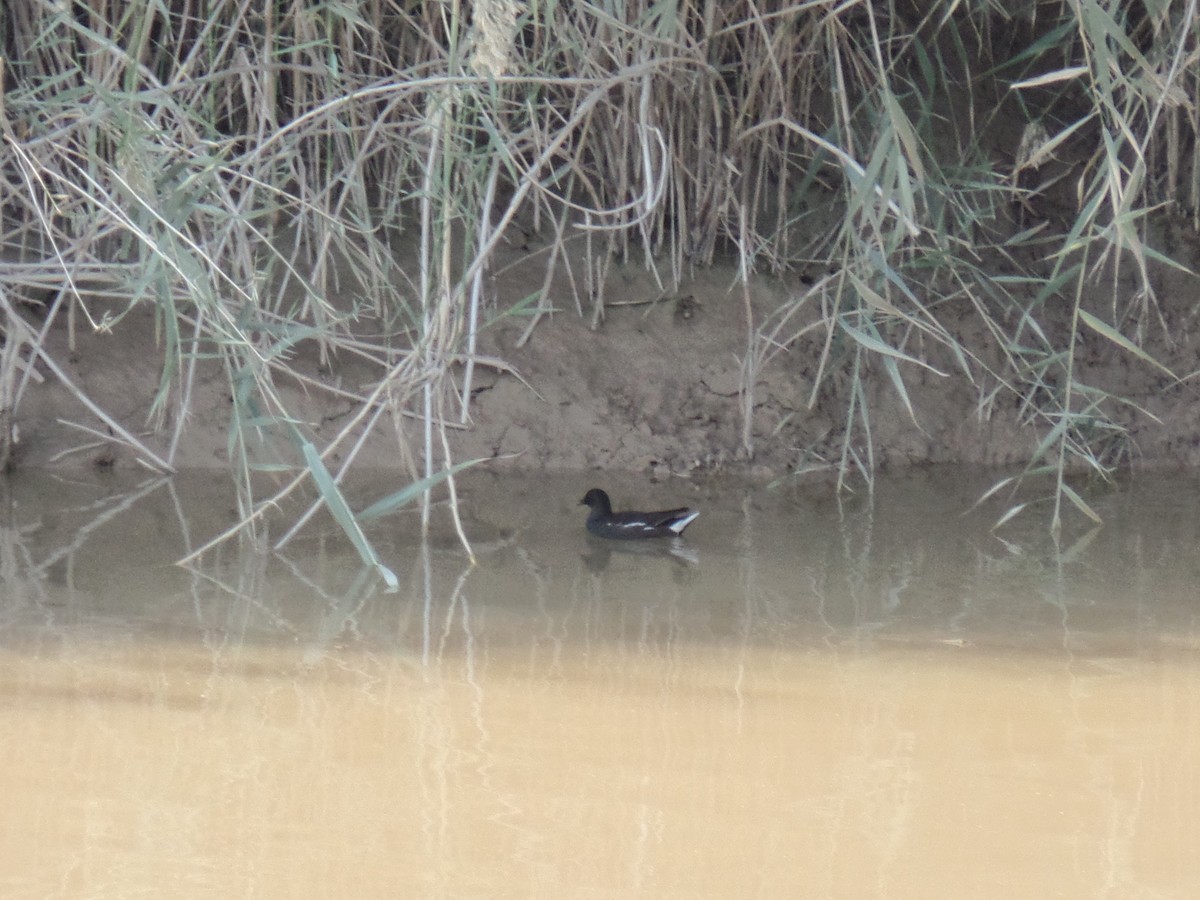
410 492
343 515
1109 333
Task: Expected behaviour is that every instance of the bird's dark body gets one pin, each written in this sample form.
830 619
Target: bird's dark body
627 526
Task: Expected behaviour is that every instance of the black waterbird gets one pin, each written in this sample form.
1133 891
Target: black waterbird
605 523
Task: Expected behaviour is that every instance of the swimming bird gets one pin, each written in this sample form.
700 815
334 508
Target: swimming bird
605 523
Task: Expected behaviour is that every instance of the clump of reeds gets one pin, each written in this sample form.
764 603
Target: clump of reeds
250 175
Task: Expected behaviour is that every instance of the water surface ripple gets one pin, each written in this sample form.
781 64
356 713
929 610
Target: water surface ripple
806 699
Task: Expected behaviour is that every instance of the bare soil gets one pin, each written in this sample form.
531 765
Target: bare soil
655 387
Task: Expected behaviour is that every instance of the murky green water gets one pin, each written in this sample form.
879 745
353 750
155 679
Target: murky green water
813 700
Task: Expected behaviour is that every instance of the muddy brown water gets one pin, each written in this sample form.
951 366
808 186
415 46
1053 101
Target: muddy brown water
809 699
